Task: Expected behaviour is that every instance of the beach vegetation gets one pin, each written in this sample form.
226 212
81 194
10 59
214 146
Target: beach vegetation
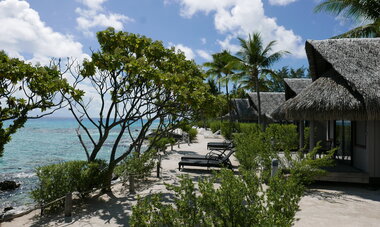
255 197
25 88
365 13
254 61
56 180
138 83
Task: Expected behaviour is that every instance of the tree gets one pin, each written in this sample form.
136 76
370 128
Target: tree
24 88
138 82
222 68
364 10
255 61
276 82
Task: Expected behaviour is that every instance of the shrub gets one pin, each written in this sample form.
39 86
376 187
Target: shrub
193 133
237 201
249 128
215 126
57 180
138 165
162 143
282 137
228 128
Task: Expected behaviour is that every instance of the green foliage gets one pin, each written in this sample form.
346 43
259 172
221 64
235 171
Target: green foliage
140 83
361 10
162 143
24 88
193 132
249 128
236 201
215 126
276 82
228 128
57 180
137 165
282 137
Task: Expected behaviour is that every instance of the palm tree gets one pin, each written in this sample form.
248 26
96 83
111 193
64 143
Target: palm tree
255 60
367 10
221 68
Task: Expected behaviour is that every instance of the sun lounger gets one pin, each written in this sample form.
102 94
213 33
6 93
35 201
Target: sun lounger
207 162
219 145
214 154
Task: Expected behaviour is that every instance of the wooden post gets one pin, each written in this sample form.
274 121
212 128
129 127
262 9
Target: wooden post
302 134
42 209
68 204
131 184
158 166
312 129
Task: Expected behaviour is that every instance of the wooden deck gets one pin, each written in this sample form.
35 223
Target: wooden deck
343 172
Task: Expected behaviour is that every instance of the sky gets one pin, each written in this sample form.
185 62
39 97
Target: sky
38 30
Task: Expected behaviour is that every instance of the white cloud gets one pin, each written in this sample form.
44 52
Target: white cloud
281 2
24 34
204 41
204 54
189 53
238 18
94 16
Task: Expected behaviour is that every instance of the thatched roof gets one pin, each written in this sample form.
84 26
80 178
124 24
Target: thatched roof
269 101
243 110
346 75
293 86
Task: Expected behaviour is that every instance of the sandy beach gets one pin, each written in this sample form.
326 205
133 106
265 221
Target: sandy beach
323 204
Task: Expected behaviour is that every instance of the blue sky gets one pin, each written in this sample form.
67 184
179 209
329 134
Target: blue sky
37 30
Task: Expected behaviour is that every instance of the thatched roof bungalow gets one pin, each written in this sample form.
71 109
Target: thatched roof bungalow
293 86
242 111
345 92
270 101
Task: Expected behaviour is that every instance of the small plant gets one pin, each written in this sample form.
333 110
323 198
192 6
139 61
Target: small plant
193 134
215 126
57 180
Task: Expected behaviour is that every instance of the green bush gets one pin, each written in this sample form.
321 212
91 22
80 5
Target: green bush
215 126
237 201
228 128
162 143
193 132
282 137
57 180
138 165
249 128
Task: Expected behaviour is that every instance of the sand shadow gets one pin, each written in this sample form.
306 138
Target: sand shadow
334 191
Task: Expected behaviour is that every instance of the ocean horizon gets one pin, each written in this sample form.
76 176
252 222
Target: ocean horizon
42 142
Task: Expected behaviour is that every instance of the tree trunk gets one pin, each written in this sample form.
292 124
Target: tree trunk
228 102
256 78
108 178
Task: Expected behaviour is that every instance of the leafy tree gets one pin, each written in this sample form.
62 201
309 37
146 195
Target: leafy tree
138 82
255 60
24 88
357 10
213 86
276 82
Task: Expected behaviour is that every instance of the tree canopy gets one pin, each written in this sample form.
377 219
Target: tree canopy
24 88
358 10
138 82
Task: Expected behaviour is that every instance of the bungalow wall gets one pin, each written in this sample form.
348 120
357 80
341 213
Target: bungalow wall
359 144
373 148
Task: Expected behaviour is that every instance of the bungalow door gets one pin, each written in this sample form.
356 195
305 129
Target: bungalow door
343 140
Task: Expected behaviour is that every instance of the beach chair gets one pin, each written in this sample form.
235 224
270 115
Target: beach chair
219 145
208 162
213 154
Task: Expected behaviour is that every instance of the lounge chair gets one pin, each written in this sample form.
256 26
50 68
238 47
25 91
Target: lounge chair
207 162
219 145
214 154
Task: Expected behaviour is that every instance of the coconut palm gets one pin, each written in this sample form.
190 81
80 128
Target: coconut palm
363 10
254 60
221 68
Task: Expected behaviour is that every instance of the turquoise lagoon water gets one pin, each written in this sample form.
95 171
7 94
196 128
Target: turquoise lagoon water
42 142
